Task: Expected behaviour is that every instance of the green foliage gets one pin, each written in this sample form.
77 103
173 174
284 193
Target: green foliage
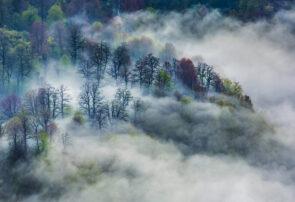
68 111
97 25
65 61
132 133
87 173
151 10
14 126
163 80
163 83
223 103
44 145
55 13
186 100
233 88
30 16
78 118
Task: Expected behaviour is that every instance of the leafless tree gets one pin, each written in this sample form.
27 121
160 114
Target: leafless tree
121 59
64 99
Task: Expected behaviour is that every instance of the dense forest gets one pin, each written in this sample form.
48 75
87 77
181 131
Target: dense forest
90 90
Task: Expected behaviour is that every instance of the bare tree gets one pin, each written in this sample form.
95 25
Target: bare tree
85 100
120 103
75 42
10 106
86 68
25 121
90 99
125 74
14 130
139 72
100 54
55 103
121 59
102 115
145 70
153 65
64 99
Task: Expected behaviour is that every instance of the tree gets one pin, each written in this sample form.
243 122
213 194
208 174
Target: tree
59 35
78 118
86 68
132 5
75 42
14 130
206 75
85 100
138 75
55 103
93 9
168 53
140 46
39 39
162 83
138 107
10 106
152 68
23 60
51 129
125 74
247 102
102 114
187 75
121 59
145 70
43 6
90 99
167 67
120 103
25 121
233 88
30 16
218 84
43 103
55 13
99 54
64 99
4 50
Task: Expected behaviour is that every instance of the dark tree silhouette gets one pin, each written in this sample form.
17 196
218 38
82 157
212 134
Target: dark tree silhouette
75 42
121 59
10 106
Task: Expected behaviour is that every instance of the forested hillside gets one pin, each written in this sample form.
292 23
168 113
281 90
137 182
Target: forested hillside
146 100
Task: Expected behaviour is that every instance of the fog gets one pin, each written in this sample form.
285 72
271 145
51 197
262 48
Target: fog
249 155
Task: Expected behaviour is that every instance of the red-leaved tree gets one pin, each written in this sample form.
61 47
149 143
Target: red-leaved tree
187 75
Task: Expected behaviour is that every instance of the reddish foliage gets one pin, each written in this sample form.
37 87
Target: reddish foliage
132 5
39 38
51 129
177 95
10 106
187 75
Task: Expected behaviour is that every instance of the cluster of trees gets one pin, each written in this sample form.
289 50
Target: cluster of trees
21 14
31 118
100 112
33 42
96 60
15 57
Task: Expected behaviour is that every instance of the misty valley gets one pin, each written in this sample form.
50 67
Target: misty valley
147 100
